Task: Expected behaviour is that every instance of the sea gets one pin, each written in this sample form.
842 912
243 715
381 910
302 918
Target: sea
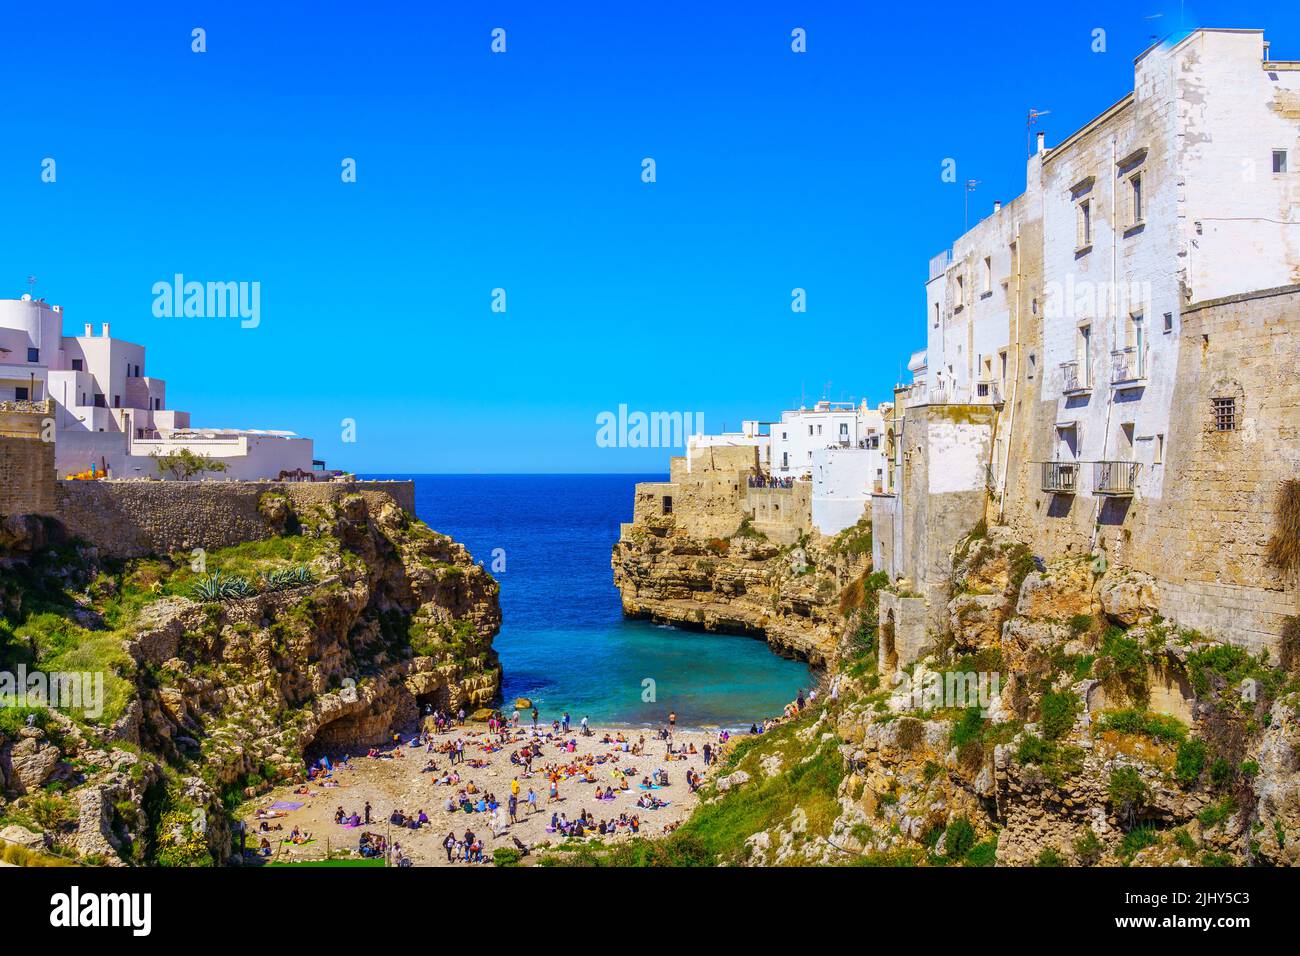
564 642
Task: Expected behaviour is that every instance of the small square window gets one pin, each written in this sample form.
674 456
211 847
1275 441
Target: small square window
33 355
77 365
1279 160
1225 414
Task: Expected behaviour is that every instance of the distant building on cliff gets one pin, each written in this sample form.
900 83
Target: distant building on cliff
109 412
1110 358
831 453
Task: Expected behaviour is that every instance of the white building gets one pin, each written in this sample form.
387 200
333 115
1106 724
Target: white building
1186 190
803 431
836 447
109 413
752 434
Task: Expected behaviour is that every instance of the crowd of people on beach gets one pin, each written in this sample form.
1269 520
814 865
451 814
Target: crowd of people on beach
543 758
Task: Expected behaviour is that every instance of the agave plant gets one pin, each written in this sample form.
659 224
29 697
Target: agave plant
219 586
284 578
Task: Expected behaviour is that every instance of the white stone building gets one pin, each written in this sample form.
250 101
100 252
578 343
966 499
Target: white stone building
1185 190
109 412
803 431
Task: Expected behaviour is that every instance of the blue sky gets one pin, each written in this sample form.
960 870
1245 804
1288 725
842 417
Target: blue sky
522 171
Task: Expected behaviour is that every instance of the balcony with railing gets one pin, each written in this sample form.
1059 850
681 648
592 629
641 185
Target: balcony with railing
1075 378
1060 477
1114 478
940 263
1128 366
988 393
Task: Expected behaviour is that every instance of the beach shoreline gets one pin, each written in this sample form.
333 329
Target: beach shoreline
397 780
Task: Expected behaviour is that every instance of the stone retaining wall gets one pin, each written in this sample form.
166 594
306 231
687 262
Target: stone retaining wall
131 518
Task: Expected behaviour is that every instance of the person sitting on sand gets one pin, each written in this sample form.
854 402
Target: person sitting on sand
338 816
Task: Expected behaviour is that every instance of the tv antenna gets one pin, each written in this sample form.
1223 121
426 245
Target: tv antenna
970 188
31 287
1029 123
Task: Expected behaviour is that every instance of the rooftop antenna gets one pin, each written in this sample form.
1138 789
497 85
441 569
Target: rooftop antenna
1029 123
970 188
31 287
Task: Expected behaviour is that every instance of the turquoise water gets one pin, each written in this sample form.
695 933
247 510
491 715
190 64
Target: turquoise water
564 641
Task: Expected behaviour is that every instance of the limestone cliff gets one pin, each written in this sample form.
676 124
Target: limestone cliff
744 583
1057 720
348 619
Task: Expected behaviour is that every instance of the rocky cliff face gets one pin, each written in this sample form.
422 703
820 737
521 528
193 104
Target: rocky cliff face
358 616
742 584
1056 721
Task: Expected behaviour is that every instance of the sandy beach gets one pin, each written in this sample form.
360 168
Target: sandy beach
400 783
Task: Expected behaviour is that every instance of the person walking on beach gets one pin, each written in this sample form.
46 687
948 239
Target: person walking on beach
514 808
799 699
708 752
449 844
586 731
532 800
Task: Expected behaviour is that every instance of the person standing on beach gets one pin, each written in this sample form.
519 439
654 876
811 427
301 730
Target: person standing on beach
566 721
514 808
532 800
367 813
708 752
535 716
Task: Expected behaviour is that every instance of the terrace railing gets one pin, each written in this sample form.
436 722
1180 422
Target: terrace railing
1127 365
1060 477
1114 477
1074 378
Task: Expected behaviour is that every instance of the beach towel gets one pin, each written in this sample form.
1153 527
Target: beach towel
286 805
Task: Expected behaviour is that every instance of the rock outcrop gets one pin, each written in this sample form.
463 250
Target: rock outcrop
380 617
743 584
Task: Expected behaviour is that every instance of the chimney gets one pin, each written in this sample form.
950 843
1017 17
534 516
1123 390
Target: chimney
88 333
997 206
105 332
1042 147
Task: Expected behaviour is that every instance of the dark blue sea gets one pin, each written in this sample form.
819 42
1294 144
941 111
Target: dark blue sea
564 641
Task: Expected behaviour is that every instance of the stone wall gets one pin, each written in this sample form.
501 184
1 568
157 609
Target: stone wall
26 462
783 514
709 495
131 518
1203 539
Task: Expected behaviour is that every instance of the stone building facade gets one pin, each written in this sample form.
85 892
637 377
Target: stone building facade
1143 408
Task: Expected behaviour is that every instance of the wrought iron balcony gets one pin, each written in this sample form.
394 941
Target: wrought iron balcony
1114 478
1060 477
1128 366
1075 378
